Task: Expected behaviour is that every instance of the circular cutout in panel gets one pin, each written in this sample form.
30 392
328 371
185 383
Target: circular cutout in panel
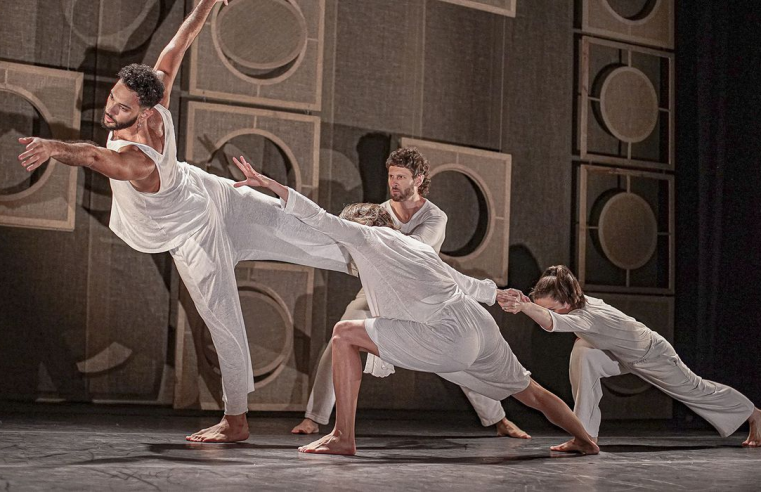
269 328
19 118
265 155
464 202
261 38
127 24
632 10
628 231
628 104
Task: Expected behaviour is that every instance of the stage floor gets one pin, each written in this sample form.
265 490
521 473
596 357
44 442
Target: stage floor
93 451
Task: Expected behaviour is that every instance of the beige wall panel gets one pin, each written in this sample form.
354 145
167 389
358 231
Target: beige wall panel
625 105
280 65
625 230
56 95
627 396
652 25
277 307
490 172
501 7
211 126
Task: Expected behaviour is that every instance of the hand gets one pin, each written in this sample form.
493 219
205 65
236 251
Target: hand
253 178
512 300
38 151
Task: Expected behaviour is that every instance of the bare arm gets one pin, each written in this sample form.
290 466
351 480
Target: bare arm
170 59
131 164
514 301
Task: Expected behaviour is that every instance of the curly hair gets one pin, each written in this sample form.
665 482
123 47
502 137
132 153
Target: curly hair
411 158
560 284
369 214
144 81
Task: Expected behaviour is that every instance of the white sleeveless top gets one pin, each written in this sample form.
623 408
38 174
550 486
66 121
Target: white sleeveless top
157 222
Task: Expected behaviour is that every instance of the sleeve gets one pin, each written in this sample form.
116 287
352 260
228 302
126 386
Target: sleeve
343 231
575 321
484 291
431 231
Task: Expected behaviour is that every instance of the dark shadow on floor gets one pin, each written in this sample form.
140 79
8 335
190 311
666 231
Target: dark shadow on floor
641 448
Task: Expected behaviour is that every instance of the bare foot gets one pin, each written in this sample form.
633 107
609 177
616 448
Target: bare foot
505 428
307 426
754 436
333 443
577 446
232 428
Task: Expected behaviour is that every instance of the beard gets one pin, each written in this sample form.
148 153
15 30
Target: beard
403 194
116 125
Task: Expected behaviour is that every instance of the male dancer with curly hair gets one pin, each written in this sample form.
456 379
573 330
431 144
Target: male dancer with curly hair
417 217
207 226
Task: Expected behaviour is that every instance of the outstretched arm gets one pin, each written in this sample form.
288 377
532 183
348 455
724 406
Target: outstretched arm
296 204
481 290
130 164
170 59
514 301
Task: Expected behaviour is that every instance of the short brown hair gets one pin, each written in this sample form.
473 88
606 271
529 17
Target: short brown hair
145 82
411 158
560 284
369 214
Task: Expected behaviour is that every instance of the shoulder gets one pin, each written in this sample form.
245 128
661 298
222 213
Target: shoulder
431 210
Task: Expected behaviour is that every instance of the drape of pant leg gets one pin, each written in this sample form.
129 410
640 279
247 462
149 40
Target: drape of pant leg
722 406
489 411
587 367
206 267
322 399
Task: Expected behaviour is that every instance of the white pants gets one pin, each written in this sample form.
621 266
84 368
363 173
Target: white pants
244 225
322 399
723 407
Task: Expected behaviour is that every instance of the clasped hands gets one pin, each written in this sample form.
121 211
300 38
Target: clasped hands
512 300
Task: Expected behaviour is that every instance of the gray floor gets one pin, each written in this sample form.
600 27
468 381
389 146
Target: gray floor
93 451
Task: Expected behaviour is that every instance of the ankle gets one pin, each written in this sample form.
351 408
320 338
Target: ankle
236 420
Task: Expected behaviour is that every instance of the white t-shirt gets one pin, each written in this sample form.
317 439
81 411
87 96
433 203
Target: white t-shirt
156 222
429 224
606 328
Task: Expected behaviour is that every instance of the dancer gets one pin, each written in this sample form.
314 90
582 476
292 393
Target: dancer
611 343
417 217
207 226
426 318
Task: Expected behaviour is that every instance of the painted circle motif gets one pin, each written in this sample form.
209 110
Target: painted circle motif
19 118
464 202
629 104
261 38
628 231
124 25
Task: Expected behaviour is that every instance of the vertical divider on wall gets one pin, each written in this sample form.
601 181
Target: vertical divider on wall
624 163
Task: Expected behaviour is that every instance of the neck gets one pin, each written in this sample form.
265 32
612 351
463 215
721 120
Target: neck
405 209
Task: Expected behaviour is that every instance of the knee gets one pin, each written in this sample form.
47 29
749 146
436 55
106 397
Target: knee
341 333
581 360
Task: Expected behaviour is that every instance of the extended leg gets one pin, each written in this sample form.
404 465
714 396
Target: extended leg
490 412
559 414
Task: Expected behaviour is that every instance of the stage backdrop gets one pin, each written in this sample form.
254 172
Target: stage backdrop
549 126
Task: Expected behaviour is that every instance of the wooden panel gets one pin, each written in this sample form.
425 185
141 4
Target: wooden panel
649 22
501 7
625 105
625 230
276 58
488 176
56 96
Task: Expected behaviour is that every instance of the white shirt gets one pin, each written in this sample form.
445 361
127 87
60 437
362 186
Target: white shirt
156 222
428 224
403 278
606 328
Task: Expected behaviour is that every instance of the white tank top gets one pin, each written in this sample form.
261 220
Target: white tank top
157 222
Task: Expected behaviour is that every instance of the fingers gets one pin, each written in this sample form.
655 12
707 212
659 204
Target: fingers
25 140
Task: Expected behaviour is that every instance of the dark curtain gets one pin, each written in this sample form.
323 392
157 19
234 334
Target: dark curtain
718 176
